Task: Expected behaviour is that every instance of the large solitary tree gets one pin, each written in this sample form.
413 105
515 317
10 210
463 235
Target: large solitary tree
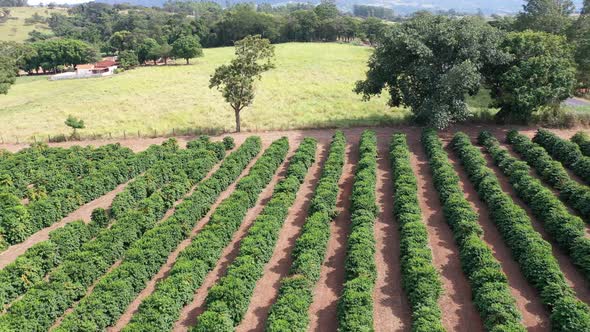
430 63
235 81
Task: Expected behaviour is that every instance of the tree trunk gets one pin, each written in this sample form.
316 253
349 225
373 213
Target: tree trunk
237 120
187 61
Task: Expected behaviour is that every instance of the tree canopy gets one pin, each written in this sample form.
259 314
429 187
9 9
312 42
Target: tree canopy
187 47
551 16
430 63
235 81
540 73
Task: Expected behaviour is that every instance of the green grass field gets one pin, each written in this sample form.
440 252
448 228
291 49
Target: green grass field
15 29
310 87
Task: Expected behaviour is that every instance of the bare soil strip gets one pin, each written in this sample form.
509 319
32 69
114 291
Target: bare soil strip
574 278
458 311
165 269
267 287
188 315
323 309
534 314
391 311
11 254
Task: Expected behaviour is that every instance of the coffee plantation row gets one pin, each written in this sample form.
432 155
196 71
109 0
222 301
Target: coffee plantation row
87 274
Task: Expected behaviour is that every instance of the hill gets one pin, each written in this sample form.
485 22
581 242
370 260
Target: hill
311 87
15 29
399 6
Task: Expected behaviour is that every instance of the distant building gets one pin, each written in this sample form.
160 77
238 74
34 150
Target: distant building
105 67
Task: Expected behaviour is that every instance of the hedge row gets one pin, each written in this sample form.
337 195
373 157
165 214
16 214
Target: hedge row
18 221
30 268
574 194
116 290
161 309
489 285
566 229
190 160
420 279
17 277
41 305
565 151
40 169
532 253
289 313
355 308
228 300
583 141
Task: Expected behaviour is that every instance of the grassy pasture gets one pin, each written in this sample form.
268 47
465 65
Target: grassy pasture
15 29
311 87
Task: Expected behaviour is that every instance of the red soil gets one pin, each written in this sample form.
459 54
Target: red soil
83 213
458 311
323 309
572 275
534 315
190 313
267 287
391 311
165 269
391 308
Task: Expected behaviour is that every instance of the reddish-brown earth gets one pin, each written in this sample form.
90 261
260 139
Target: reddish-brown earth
329 287
458 311
267 287
165 269
83 213
534 315
189 314
573 276
391 311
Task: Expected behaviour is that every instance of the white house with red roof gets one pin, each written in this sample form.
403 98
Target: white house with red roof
105 67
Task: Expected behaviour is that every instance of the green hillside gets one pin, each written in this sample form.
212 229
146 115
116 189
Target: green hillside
15 29
310 87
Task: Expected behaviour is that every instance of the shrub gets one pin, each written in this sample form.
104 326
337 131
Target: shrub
355 307
228 142
565 151
70 280
420 279
228 300
583 141
489 285
159 310
289 313
577 196
566 229
532 253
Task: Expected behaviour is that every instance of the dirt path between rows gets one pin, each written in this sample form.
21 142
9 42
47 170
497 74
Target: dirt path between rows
573 277
458 311
189 314
391 311
534 315
323 309
267 287
165 269
83 213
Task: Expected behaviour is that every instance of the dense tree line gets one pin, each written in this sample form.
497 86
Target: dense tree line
530 63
